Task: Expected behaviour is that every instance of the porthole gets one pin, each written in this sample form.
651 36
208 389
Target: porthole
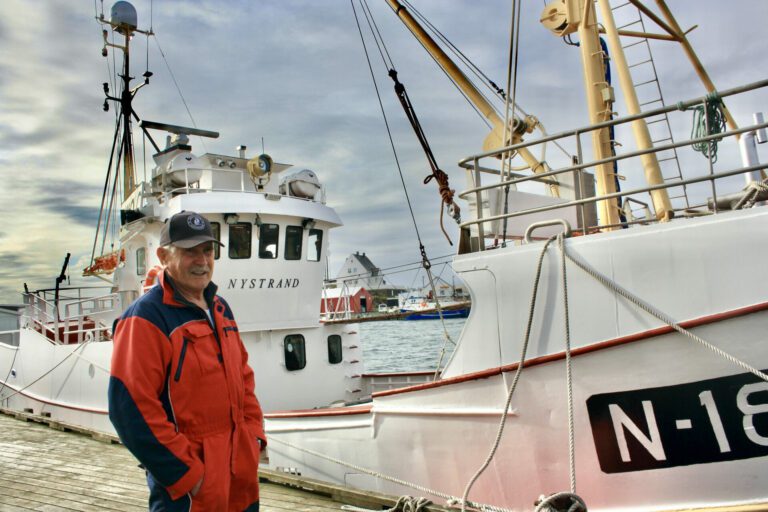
335 353
294 351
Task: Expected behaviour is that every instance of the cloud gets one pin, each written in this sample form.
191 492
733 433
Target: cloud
295 74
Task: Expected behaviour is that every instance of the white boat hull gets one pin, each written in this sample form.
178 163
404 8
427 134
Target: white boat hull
660 421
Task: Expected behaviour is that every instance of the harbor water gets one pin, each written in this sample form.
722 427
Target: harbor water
407 345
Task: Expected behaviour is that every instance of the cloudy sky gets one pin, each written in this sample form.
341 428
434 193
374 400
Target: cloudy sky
294 73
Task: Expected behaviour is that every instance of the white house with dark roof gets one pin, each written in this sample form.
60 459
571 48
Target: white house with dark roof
359 270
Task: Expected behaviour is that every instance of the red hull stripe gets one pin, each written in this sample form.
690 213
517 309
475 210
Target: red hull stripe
57 404
484 374
339 411
331 411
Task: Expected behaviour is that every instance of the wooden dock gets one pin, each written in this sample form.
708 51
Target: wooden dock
48 466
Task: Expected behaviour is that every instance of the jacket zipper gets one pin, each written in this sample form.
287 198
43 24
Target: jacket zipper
183 354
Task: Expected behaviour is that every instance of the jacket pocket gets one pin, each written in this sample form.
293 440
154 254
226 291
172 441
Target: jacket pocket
182 356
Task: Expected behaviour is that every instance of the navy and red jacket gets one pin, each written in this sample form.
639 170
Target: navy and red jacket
180 387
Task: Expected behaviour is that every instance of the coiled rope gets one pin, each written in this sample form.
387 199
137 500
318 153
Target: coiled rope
404 504
449 498
708 119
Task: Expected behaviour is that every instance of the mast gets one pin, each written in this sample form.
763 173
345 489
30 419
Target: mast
495 139
661 202
129 180
600 104
123 20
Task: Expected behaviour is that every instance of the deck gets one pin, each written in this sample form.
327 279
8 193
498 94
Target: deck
47 466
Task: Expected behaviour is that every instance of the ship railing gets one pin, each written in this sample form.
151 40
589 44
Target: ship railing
74 319
336 308
583 206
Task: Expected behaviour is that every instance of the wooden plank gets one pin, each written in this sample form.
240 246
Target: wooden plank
346 495
45 466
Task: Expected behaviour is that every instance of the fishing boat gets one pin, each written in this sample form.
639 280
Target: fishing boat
615 353
275 225
420 307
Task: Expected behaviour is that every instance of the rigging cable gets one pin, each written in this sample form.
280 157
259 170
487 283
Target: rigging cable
178 89
424 258
480 75
456 51
514 44
441 178
106 187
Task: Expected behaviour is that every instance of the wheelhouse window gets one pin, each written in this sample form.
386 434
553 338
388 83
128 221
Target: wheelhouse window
314 244
295 355
334 349
240 240
293 236
216 228
269 235
141 261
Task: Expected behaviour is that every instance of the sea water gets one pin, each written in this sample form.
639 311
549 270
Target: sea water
407 345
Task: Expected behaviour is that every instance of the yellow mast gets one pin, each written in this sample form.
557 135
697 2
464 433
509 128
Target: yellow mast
661 203
495 139
565 17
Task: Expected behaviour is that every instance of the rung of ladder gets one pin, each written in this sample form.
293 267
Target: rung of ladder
665 159
656 121
630 45
629 24
646 82
664 139
650 102
641 63
620 6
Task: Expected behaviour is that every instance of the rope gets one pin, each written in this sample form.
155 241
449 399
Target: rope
18 391
568 370
751 194
424 259
449 498
518 372
708 119
440 177
404 503
611 285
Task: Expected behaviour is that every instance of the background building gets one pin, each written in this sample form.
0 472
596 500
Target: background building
334 301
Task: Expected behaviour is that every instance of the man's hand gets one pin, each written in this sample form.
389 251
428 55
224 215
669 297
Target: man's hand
197 487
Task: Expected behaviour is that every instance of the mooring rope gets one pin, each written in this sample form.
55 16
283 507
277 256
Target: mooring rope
653 311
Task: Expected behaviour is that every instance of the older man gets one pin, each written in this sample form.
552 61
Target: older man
181 393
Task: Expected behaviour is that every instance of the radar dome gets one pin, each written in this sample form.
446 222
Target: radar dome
123 15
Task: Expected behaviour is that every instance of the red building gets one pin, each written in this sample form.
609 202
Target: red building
353 300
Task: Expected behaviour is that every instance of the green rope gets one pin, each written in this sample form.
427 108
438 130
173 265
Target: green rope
708 119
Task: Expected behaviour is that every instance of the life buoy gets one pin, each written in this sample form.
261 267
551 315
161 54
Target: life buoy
149 281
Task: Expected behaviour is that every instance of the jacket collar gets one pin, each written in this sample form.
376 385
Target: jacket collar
172 297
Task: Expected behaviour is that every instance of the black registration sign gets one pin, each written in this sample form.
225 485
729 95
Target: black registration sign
712 420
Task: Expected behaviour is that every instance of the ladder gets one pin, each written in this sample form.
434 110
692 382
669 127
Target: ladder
646 83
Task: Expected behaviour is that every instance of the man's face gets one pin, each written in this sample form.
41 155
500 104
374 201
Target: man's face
191 269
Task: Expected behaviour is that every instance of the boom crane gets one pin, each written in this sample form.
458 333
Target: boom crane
495 139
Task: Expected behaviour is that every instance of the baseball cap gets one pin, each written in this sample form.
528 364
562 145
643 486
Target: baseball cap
186 230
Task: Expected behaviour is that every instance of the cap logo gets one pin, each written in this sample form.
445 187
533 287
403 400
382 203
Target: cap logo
196 222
